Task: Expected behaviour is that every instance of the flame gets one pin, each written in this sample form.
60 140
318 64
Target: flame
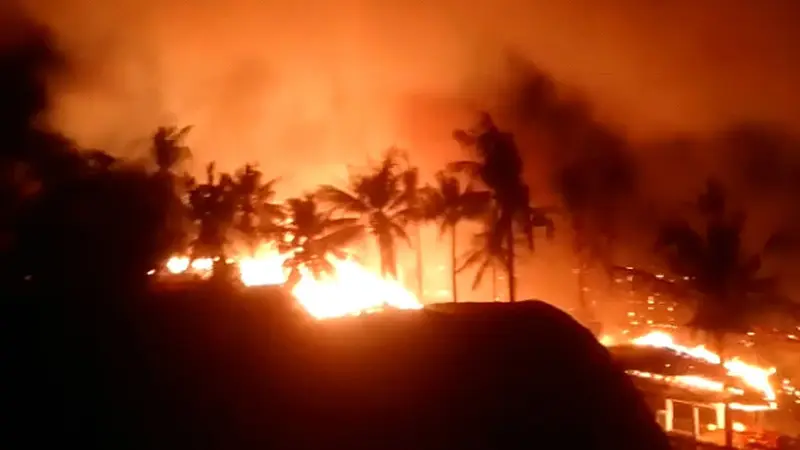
351 289
758 378
738 427
178 264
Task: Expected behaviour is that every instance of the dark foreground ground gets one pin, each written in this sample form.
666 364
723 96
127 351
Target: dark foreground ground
220 370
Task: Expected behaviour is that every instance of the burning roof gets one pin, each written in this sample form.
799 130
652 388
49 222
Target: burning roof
695 373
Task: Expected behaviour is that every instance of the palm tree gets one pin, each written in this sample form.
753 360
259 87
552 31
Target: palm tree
486 253
711 269
413 198
590 210
499 167
256 213
168 148
212 206
311 237
449 203
379 201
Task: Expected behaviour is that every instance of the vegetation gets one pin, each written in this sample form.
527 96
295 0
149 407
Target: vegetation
80 229
310 236
380 202
449 204
708 267
499 168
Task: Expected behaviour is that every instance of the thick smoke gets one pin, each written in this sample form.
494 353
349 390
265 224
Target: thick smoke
623 108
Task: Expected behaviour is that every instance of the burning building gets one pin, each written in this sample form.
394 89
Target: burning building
687 388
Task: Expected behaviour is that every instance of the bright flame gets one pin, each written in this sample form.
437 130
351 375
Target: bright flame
177 264
738 427
351 289
756 377
264 269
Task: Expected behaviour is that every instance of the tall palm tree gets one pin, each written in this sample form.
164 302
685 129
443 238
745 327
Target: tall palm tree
711 270
168 148
256 213
212 206
449 204
377 199
486 253
413 199
311 237
499 167
591 191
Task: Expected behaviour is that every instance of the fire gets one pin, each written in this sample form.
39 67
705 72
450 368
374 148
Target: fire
758 378
178 264
351 289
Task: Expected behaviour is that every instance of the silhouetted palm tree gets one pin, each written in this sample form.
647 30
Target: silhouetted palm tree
449 204
413 200
378 200
256 213
499 167
592 188
311 237
710 269
168 148
212 206
485 253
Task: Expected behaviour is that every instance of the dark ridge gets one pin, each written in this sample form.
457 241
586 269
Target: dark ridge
209 368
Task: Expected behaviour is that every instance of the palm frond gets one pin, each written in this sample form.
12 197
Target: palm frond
342 200
480 272
340 237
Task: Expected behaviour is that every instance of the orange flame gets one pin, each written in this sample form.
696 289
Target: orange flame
758 378
351 289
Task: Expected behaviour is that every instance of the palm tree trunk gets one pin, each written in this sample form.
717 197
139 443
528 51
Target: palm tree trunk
453 281
420 274
494 283
512 280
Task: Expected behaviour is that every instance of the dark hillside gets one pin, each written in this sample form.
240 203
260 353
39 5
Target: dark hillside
209 368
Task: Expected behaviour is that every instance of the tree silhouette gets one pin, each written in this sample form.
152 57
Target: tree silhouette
379 201
311 237
212 207
485 253
168 148
449 204
97 229
256 214
710 268
591 197
413 199
499 167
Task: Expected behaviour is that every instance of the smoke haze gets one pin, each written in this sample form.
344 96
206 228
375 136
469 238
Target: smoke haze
650 89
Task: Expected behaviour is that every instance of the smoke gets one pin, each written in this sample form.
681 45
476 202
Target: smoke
323 79
622 107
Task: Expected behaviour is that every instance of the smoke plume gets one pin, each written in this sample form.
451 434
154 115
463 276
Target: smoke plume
622 107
